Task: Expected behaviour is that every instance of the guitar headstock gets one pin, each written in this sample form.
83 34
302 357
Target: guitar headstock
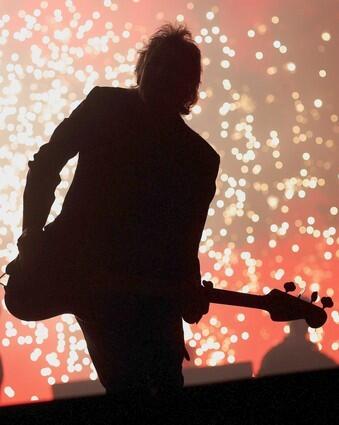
285 307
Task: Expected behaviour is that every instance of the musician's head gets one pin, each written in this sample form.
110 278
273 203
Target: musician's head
168 70
298 329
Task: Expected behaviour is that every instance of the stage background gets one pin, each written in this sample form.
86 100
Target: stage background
269 106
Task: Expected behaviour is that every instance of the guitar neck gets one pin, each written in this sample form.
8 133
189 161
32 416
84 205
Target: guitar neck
221 296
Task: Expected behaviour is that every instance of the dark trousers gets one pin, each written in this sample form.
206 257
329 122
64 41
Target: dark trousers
137 346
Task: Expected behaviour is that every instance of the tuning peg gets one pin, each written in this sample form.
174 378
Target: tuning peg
327 302
314 296
207 284
289 286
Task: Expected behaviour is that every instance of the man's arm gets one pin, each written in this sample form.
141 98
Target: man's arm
195 302
43 175
205 195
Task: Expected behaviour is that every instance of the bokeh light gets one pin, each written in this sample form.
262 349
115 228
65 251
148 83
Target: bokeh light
267 104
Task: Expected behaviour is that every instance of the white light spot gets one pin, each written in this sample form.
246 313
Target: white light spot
9 392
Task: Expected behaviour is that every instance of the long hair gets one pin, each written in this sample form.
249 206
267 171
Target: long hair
168 69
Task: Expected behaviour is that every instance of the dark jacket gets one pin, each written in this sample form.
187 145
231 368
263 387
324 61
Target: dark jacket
141 191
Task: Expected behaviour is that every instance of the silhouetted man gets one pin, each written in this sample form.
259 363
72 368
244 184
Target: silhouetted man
295 354
1 372
126 242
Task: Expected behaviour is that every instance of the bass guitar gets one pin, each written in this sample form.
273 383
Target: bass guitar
29 298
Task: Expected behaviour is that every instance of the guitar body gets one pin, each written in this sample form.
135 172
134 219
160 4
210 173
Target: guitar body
35 295
49 282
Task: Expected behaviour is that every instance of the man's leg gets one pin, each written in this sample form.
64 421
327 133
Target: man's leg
137 346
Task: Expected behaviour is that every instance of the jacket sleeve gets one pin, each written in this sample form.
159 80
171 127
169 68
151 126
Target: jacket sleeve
194 302
207 192
43 174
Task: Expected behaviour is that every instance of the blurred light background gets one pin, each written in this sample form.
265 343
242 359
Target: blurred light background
269 106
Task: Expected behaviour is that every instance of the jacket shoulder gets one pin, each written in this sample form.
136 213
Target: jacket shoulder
109 92
113 99
208 152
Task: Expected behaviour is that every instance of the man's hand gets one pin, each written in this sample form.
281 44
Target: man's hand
26 245
195 301
29 245
27 250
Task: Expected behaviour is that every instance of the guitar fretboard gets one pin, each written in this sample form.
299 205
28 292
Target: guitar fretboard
220 296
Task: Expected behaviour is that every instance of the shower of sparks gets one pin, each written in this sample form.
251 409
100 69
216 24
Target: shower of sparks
268 112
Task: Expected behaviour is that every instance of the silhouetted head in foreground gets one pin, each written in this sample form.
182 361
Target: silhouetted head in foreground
168 70
298 330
